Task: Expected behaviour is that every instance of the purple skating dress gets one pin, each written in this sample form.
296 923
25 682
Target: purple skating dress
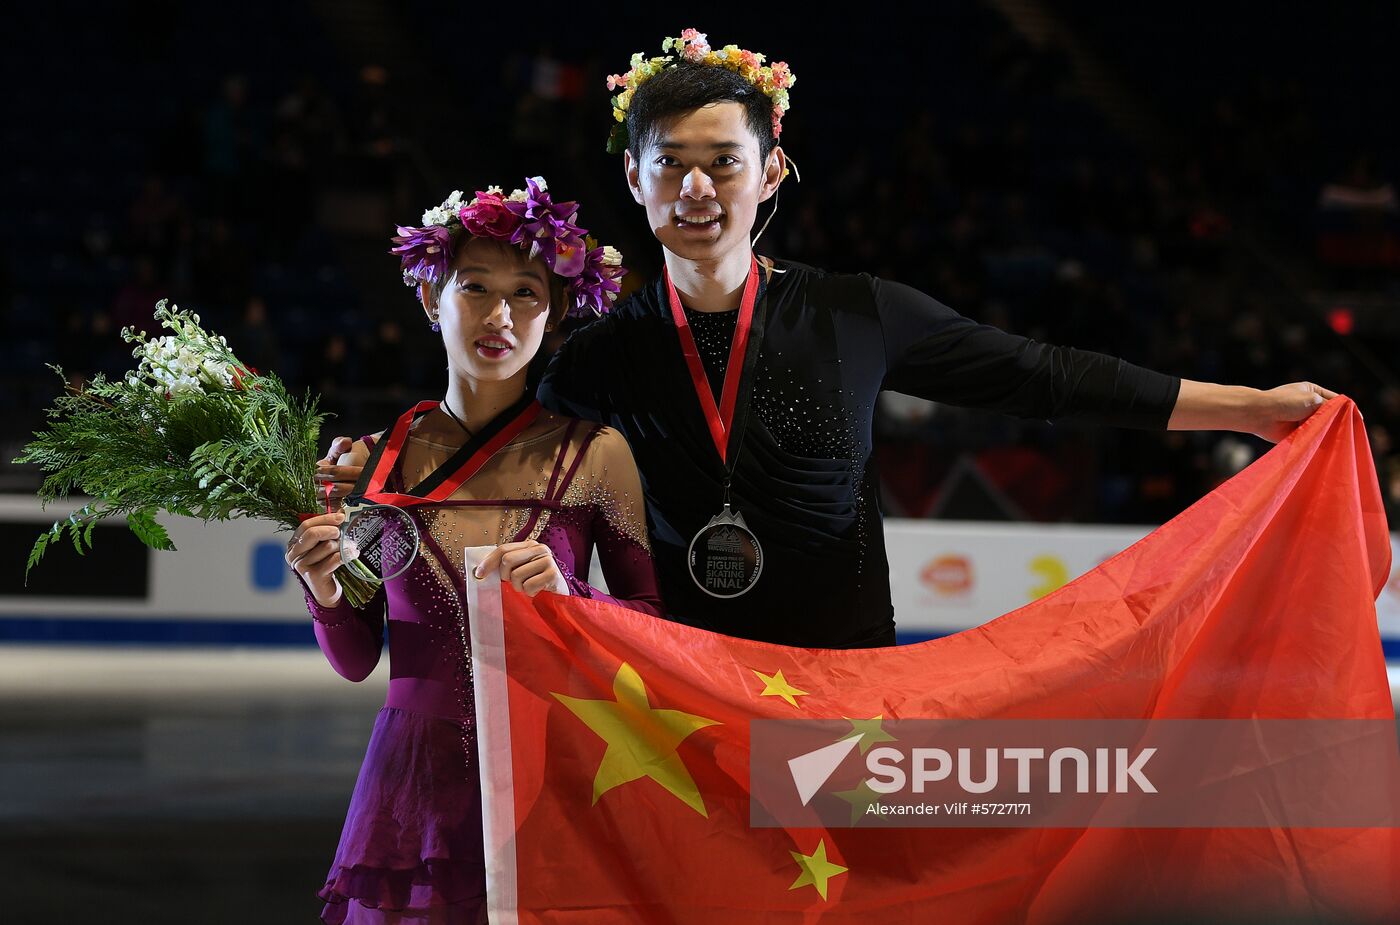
411 850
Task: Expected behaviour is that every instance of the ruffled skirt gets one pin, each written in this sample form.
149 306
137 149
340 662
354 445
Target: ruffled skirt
411 850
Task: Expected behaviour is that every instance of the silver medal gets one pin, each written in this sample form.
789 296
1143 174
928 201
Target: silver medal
725 557
378 541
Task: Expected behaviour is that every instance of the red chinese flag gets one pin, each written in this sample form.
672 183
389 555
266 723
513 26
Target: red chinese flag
615 747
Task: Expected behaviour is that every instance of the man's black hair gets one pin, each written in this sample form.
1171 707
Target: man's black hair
687 86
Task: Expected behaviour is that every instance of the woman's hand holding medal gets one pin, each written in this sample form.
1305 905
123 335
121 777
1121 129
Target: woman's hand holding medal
528 566
313 552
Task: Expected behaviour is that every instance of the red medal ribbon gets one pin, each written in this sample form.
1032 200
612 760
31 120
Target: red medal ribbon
399 436
721 418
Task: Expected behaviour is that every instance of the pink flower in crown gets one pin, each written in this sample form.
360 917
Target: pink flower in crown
748 59
617 80
424 253
488 217
782 75
696 45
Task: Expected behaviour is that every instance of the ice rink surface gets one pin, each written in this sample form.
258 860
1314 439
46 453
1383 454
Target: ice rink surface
178 785
174 785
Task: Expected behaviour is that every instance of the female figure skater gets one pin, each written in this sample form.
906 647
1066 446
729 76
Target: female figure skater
493 275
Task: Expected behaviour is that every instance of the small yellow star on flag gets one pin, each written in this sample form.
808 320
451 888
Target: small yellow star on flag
642 741
861 799
869 730
775 685
816 869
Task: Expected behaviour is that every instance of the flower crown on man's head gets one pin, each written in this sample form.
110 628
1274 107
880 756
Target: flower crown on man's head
694 47
525 218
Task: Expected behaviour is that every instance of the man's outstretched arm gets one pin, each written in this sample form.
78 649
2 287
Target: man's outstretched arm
935 353
1270 413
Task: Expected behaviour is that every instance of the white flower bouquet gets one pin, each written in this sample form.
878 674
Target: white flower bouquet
191 431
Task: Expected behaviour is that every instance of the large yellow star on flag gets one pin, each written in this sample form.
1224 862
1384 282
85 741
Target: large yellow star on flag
816 869
775 685
642 741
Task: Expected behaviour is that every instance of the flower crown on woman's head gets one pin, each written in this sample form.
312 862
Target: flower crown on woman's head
525 218
694 47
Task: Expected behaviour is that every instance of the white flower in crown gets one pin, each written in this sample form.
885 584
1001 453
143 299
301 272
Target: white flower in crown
494 190
517 196
445 213
438 215
539 181
612 257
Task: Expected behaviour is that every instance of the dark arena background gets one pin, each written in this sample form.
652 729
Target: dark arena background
1206 189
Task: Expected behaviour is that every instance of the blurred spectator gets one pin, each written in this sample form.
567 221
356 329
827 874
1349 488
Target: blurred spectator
255 341
330 374
1359 190
380 135
1358 223
390 358
222 267
1390 488
154 217
311 117
229 145
137 299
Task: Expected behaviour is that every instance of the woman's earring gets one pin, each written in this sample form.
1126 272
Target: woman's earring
435 326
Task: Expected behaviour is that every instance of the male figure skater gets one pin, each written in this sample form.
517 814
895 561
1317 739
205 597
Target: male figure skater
746 388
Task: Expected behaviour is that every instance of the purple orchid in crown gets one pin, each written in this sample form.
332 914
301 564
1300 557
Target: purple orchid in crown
424 253
548 227
570 255
597 286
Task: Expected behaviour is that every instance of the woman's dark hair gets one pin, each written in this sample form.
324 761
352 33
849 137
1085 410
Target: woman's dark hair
687 86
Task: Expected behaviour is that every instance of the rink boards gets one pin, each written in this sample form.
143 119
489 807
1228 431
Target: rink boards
228 585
